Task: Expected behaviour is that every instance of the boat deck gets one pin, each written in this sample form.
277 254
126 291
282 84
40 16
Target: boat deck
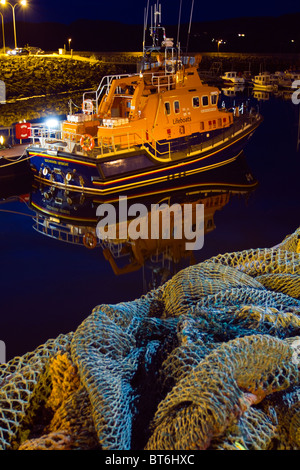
13 152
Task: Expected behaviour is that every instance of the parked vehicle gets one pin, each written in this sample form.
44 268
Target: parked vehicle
18 51
35 50
28 50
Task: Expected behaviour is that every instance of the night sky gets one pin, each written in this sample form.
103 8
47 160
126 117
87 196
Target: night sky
67 11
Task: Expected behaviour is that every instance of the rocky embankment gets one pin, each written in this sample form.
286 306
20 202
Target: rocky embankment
50 80
255 63
36 75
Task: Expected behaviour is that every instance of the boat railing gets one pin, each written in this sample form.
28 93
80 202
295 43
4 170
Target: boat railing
130 141
40 132
124 142
163 81
52 227
53 139
240 124
155 148
104 86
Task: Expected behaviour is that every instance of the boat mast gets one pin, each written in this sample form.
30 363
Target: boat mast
146 12
190 24
166 53
179 19
154 30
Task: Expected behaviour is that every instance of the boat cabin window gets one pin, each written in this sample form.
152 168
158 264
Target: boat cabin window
204 100
214 98
167 108
176 107
196 102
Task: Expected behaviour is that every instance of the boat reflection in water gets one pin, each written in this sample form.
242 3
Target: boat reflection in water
71 217
261 95
233 90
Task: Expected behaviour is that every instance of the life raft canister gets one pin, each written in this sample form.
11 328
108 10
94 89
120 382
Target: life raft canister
87 142
89 240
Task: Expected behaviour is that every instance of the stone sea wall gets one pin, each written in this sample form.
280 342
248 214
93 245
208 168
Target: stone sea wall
247 61
37 86
230 60
36 75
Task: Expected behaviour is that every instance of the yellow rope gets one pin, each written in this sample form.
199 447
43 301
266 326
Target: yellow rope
20 159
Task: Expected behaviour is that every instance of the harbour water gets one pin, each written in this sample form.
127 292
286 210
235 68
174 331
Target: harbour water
49 286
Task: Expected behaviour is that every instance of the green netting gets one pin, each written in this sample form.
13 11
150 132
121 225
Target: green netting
210 360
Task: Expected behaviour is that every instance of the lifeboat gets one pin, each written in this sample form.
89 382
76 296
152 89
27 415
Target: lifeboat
144 129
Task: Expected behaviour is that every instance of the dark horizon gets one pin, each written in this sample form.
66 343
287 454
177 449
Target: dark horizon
97 35
67 11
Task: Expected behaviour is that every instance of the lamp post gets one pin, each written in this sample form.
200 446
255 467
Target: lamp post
23 3
220 41
3 35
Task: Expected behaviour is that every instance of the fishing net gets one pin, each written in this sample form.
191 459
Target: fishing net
219 390
209 360
25 383
186 287
285 406
286 283
254 430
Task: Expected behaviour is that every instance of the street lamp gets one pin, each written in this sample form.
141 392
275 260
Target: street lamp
220 41
21 2
69 44
3 35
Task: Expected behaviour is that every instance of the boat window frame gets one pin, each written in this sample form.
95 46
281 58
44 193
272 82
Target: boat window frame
167 105
215 95
202 97
196 106
174 107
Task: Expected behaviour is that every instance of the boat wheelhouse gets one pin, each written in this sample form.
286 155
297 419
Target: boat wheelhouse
265 81
142 129
233 77
287 78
